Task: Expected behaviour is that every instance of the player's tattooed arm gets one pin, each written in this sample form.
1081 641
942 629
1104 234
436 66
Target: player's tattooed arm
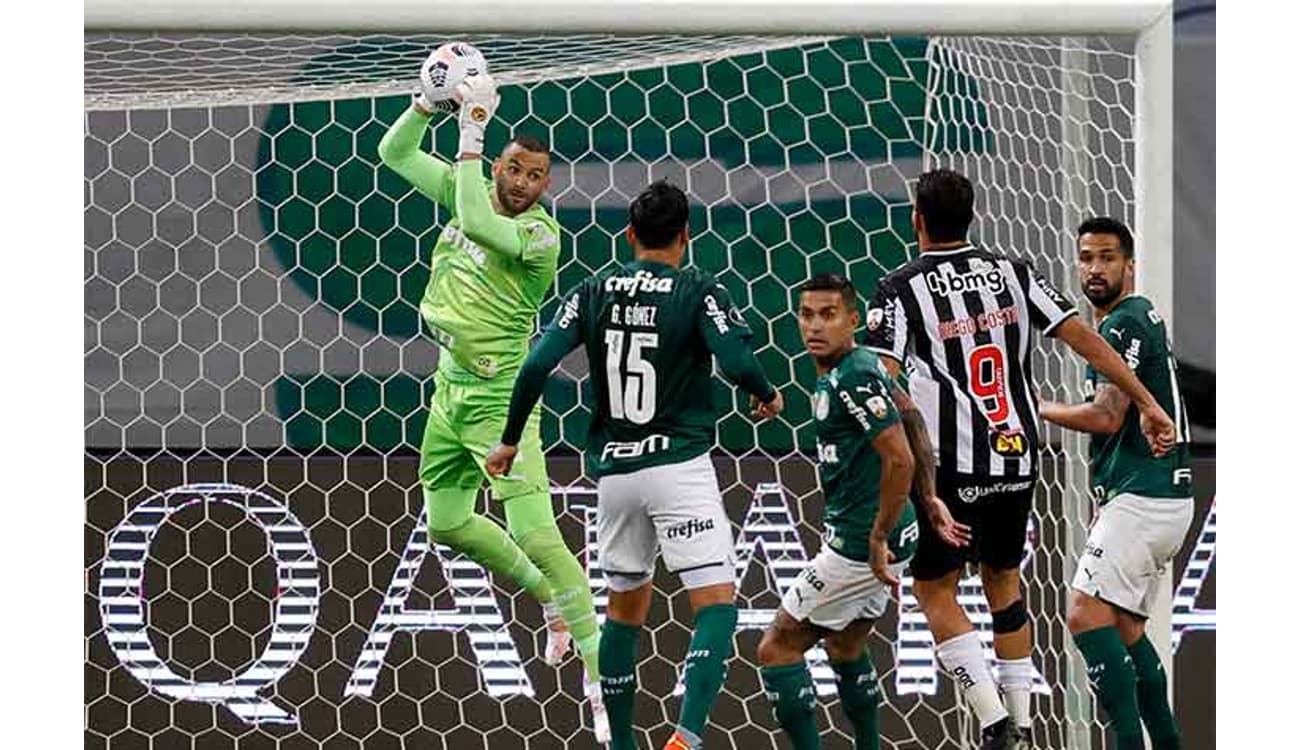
896 469
1103 416
918 437
927 491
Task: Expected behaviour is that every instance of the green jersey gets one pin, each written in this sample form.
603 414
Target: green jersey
488 273
651 331
851 406
1122 462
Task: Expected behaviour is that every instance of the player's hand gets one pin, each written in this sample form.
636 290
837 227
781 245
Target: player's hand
949 530
501 459
768 410
478 99
1159 430
881 557
426 107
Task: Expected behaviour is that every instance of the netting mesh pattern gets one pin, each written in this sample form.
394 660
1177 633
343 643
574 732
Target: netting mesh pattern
256 380
140 70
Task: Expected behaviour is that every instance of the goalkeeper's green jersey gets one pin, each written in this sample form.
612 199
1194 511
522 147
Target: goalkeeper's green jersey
488 273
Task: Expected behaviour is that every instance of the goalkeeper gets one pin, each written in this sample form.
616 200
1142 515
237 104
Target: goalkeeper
491 267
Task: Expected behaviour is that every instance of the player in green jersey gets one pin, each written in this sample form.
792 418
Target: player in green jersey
1146 501
651 330
866 469
489 271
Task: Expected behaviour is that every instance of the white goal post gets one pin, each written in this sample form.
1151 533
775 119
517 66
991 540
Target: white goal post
121 36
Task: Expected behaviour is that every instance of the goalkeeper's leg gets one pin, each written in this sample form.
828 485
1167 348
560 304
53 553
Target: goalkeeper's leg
532 524
450 480
525 494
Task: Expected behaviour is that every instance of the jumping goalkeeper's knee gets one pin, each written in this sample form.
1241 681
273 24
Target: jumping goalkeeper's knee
449 513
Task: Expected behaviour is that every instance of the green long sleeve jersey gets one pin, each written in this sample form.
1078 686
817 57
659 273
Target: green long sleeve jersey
651 332
488 273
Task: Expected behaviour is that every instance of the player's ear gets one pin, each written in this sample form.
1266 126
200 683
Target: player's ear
631 236
918 223
686 234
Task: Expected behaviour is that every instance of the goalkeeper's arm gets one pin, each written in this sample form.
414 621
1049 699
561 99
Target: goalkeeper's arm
400 150
478 219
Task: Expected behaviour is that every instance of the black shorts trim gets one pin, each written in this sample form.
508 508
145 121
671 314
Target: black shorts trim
699 567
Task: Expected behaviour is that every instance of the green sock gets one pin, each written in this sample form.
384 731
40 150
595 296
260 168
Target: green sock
860 699
1153 696
618 680
532 523
1110 672
706 665
482 540
794 701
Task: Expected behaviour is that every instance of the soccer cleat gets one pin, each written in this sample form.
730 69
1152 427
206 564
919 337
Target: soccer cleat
677 742
557 636
999 736
599 719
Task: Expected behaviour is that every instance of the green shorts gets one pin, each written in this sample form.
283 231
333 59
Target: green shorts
464 425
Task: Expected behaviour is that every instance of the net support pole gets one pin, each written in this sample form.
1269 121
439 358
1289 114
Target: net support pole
1076 502
1154 135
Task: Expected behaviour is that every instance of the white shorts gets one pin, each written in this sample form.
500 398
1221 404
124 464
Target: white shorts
677 507
833 591
1129 546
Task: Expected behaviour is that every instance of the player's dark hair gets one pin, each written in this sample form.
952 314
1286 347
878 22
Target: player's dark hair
529 142
946 200
833 282
659 214
1107 225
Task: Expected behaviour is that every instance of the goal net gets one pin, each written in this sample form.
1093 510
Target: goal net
256 375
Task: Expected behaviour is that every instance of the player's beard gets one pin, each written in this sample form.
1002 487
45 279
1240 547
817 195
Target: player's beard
512 204
1104 296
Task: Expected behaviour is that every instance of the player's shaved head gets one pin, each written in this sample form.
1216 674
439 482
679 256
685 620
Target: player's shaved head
945 205
828 317
522 173
658 216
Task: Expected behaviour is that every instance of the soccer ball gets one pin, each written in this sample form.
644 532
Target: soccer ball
445 68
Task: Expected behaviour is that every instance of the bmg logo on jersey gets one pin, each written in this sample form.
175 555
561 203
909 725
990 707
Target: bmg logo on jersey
982 276
689 528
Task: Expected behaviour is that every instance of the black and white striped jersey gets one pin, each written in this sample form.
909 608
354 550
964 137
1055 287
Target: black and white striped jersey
959 321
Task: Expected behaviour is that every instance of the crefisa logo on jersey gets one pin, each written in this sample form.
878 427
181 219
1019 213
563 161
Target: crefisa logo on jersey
568 312
982 276
641 281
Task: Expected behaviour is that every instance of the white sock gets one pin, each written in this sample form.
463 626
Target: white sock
963 658
1016 678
